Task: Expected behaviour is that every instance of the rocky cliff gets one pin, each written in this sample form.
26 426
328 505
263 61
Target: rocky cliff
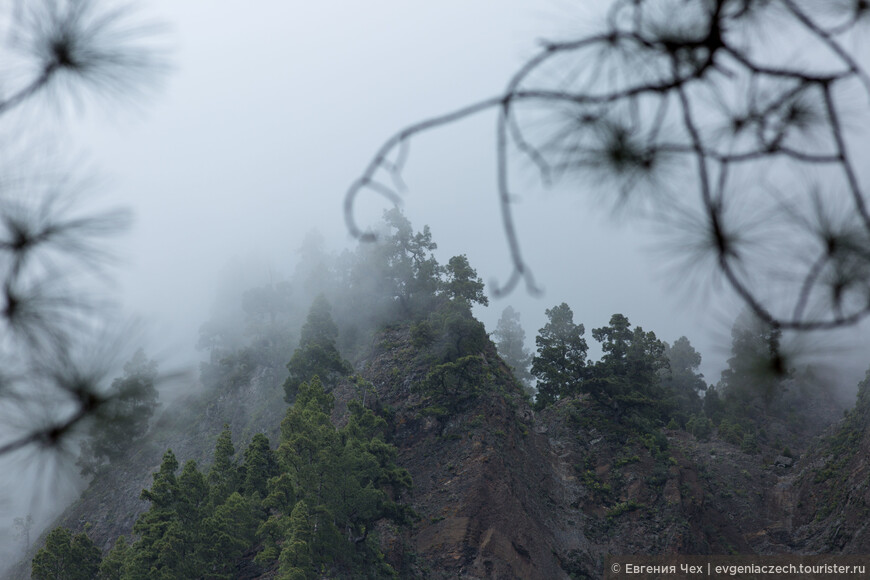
502 492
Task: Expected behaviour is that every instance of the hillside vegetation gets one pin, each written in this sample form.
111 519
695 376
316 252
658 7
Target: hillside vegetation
359 422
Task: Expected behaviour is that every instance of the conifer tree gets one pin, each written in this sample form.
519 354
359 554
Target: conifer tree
560 364
757 368
227 533
112 567
411 269
157 552
66 557
223 475
317 354
395 278
192 502
295 559
631 365
462 284
124 418
258 467
683 379
510 340
342 478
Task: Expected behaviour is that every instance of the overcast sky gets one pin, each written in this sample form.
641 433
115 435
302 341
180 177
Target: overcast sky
272 111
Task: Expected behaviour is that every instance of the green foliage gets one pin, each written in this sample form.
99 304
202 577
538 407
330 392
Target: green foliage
628 378
228 532
625 460
191 530
714 407
295 560
623 507
457 334
396 278
112 567
841 449
656 442
731 432
453 383
413 268
66 557
258 467
630 368
422 334
268 323
462 284
317 354
510 339
122 421
700 426
164 542
683 380
560 363
223 476
602 491
754 379
345 480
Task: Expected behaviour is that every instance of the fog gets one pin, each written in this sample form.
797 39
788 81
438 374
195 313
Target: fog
270 112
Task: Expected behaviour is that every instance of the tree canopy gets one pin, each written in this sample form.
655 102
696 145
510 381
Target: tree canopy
510 340
317 354
560 363
124 419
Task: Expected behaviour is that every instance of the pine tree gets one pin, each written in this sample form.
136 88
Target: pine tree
411 269
510 340
462 284
295 559
258 467
227 533
159 550
112 567
192 502
66 557
124 419
317 354
560 364
342 478
757 369
631 365
683 379
223 475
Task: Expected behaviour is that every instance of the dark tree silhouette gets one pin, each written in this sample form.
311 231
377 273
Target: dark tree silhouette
698 113
57 53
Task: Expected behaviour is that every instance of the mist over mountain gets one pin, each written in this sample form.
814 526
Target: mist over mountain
356 420
389 290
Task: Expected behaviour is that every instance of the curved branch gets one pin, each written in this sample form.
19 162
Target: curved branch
807 287
832 44
521 270
380 158
768 114
28 91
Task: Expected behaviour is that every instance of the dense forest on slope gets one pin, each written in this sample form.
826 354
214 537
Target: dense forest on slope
357 421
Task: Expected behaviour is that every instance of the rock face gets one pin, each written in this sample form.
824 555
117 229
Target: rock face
502 492
832 513
189 426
